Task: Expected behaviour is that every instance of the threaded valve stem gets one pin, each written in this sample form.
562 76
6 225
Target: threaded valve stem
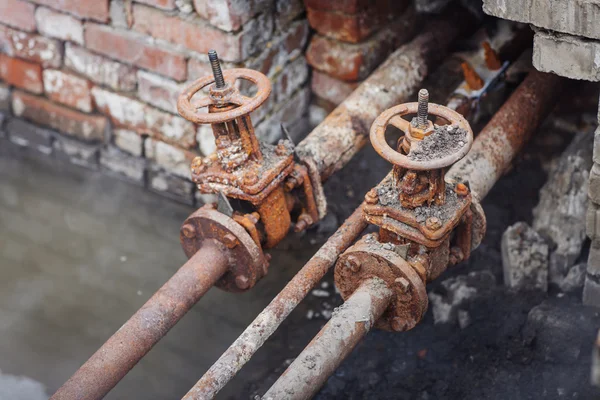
216 68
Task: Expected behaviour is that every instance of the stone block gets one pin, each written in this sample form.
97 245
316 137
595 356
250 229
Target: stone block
25 134
76 152
122 165
171 186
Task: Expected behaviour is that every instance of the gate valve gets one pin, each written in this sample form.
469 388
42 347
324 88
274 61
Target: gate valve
266 178
424 223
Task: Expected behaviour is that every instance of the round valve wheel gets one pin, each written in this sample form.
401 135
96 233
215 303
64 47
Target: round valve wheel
222 96
394 116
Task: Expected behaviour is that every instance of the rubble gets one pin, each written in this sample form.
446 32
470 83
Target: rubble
561 212
524 258
448 302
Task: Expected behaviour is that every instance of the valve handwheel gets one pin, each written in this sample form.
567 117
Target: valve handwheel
394 116
228 94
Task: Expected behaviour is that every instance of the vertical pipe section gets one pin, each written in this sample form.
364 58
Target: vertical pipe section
506 133
263 326
348 325
147 326
346 130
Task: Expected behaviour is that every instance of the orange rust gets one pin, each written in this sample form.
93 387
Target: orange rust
492 60
275 216
472 78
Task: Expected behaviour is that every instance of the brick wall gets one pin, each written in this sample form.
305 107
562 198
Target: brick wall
352 38
94 82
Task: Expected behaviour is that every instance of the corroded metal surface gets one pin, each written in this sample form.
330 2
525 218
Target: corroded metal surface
263 326
345 131
506 133
368 258
247 265
347 326
146 327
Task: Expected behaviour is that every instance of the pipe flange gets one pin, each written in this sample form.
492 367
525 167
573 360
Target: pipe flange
369 258
247 263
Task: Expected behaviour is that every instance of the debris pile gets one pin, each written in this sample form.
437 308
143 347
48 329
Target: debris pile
524 258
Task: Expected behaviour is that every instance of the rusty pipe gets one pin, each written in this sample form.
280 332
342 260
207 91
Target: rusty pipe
348 325
506 133
147 326
346 130
265 324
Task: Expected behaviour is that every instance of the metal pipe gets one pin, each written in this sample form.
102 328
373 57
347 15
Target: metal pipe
257 333
348 325
506 133
147 326
346 130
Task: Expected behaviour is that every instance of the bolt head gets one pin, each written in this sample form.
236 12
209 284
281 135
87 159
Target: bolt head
189 231
242 282
461 189
250 178
352 263
433 223
281 149
230 241
372 197
403 284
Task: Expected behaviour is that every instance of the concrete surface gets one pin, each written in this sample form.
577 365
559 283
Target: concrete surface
79 254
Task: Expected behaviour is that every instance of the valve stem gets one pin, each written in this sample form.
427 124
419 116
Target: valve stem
216 68
423 108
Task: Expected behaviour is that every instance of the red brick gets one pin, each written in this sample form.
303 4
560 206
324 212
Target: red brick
38 49
331 89
199 36
355 62
58 25
89 9
164 4
18 14
229 15
355 27
68 89
345 6
135 50
158 91
99 69
22 74
132 114
42 111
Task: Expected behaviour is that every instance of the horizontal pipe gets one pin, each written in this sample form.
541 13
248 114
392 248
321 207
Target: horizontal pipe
265 324
506 133
345 131
147 326
348 325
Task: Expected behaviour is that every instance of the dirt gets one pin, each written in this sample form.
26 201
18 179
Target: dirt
501 345
444 141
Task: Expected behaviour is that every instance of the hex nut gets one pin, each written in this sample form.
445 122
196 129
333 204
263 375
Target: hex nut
230 241
352 263
189 231
433 223
372 197
242 282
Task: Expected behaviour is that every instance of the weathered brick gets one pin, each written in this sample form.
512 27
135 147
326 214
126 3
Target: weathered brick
132 114
229 15
120 14
231 47
136 50
206 140
596 156
171 158
123 165
58 25
593 267
164 4
199 67
282 49
31 47
28 135
18 14
591 291
158 91
171 186
76 152
22 74
567 56
592 222
88 9
68 89
355 62
286 11
577 17
343 6
291 78
204 198
331 89
288 113
100 69
128 141
44 112
357 26
4 98
595 184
